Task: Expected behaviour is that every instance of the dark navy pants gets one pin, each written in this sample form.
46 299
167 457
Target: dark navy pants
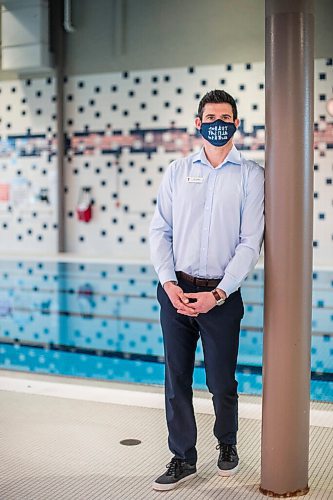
219 330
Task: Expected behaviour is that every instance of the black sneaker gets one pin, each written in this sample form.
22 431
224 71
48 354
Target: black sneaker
228 459
178 471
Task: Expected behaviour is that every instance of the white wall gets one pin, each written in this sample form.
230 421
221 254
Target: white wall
144 108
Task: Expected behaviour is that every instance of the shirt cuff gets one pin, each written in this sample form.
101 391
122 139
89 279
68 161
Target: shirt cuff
167 275
228 284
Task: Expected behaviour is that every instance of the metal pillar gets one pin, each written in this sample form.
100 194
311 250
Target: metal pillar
58 44
288 247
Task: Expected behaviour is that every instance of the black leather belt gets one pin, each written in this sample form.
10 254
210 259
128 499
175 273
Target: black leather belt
198 281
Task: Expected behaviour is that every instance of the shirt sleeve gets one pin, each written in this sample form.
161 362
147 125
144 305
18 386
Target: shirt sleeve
251 233
160 231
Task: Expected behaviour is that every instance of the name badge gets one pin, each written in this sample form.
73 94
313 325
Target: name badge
195 179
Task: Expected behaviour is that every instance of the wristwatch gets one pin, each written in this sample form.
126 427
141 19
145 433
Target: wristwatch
218 298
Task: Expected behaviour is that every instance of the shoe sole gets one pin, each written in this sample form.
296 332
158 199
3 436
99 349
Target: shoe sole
228 472
166 487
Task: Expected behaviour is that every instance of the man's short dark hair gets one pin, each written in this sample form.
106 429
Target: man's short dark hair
216 96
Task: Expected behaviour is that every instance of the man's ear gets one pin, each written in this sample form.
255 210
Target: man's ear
237 122
197 122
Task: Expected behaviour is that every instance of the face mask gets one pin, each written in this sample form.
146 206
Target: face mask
218 133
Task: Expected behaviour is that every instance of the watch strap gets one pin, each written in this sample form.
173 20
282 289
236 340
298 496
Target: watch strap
217 296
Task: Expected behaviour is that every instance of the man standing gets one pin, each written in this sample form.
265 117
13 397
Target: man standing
205 238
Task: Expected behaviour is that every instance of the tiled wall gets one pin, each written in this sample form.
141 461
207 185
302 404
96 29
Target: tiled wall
28 165
122 131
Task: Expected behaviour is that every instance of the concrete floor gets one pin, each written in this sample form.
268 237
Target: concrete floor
57 445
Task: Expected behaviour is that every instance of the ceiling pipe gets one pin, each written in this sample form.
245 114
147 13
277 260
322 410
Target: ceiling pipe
69 28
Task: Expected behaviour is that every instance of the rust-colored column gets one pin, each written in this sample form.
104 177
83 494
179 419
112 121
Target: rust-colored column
288 247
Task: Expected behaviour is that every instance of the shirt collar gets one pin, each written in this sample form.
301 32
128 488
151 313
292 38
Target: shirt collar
232 157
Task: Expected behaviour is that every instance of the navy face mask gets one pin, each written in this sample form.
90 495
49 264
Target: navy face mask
218 133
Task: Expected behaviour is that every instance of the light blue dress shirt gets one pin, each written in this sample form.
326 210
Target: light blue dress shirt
208 222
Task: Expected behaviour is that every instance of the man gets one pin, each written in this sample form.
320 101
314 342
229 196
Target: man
205 238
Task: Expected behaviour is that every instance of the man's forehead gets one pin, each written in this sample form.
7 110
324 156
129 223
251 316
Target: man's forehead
217 108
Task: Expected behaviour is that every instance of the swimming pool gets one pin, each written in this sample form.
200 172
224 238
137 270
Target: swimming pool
101 320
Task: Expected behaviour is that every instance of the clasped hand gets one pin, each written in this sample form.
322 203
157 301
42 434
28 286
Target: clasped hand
205 301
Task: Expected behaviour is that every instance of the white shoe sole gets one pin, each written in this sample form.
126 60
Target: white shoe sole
228 473
166 487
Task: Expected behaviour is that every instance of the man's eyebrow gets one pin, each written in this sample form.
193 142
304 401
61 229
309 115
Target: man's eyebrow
213 114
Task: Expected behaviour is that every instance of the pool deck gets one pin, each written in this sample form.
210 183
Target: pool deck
60 439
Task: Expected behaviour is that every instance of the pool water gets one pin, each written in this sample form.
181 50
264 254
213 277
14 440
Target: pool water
101 321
